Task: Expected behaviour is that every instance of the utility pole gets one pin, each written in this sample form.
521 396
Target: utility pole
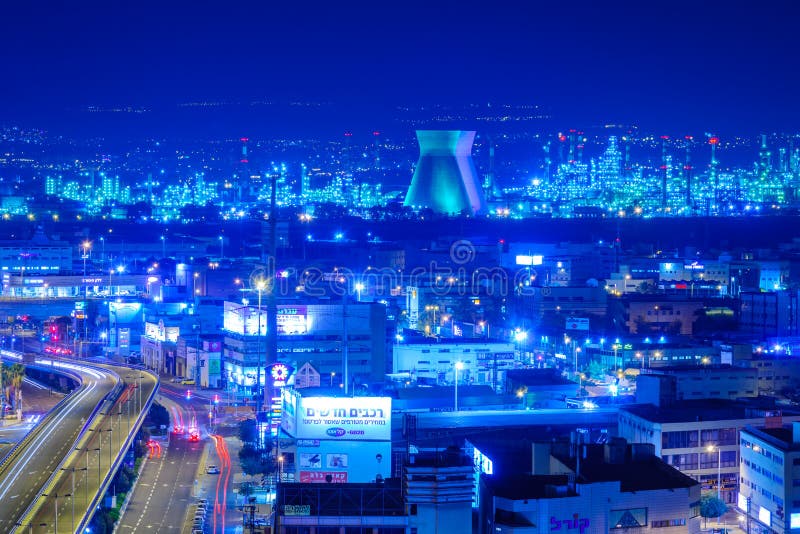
272 308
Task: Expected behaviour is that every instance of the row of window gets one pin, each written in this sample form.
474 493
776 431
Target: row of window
763 491
684 439
777 458
763 471
664 523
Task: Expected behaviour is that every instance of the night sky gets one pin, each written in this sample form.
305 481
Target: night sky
724 66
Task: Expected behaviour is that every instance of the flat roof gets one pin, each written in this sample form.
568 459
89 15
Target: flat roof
780 437
639 474
703 410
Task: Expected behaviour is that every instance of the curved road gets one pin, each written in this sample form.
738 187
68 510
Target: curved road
70 451
29 468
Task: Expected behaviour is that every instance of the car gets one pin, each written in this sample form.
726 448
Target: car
177 380
212 470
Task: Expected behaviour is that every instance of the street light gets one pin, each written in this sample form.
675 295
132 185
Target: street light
458 366
359 287
55 507
221 248
711 448
163 247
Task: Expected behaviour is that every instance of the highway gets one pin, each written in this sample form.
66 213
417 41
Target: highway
169 485
61 465
164 491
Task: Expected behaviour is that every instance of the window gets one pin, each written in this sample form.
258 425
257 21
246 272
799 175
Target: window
679 440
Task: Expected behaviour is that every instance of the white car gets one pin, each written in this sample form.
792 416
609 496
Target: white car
212 470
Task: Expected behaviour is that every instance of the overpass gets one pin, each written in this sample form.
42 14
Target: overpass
53 480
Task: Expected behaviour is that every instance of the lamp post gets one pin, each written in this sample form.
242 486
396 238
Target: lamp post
261 285
711 448
458 366
359 287
163 247
55 508
87 245
221 248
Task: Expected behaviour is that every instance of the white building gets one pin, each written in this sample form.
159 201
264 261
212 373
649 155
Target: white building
769 494
434 361
700 438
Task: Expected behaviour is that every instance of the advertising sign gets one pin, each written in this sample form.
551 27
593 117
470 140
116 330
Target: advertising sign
343 418
577 323
292 320
337 477
244 320
311 460
336 460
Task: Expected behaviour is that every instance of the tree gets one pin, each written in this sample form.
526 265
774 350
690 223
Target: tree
247 432
595 370
13 375
711 506
158 416
255 462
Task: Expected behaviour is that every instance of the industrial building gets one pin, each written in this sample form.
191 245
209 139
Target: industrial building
445 179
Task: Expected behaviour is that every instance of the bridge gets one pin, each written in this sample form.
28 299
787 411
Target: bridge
53 480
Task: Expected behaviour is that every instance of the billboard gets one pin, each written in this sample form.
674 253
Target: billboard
244 320
337 477
292 320
577 323
338 418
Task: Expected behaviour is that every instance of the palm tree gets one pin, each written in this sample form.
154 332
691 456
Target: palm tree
17 373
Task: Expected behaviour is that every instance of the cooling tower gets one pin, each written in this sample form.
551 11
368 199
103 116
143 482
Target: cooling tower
445 179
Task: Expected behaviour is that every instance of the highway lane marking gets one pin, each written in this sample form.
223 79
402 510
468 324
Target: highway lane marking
41 438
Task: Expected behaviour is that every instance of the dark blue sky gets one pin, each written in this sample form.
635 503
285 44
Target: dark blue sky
725 66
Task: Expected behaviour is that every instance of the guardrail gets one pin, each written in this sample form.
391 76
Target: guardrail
111 397
101 491
50 415
57 472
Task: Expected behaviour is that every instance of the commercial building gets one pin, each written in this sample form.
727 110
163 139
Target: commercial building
699 437
438 489
770 315
376 508
585 488
336 439
433 361
769 494
666 385
307 334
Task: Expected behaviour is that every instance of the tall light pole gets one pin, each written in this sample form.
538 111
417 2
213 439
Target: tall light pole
87 245
163 247
458 366
261 285
359 287
711 448
221 248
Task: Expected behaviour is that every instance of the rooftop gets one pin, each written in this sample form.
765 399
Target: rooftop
779 437
706 410
635 473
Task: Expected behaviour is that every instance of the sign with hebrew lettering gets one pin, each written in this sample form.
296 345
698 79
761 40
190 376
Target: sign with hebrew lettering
344 418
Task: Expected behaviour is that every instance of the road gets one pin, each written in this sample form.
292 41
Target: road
164 491
25 473
170 485
79 455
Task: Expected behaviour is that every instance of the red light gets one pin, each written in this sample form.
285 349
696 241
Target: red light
664 137
562 137
689 138
348 134
244 139
713 141
243 161
376 133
